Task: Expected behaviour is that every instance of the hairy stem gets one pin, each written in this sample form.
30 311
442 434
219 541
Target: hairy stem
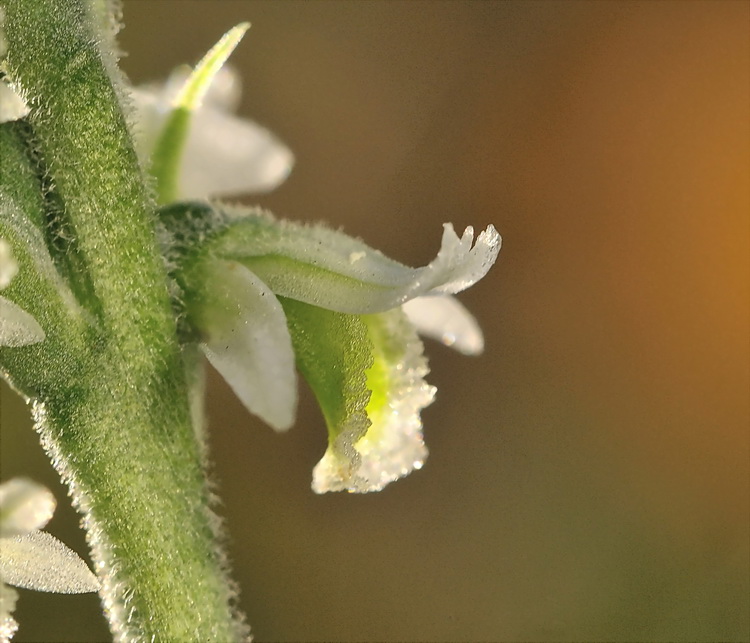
117 421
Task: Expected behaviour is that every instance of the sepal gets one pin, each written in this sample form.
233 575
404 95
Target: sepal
324 267
37 560
31 558
243 334
447 320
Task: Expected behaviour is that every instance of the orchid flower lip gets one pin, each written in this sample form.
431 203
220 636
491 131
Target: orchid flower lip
392 446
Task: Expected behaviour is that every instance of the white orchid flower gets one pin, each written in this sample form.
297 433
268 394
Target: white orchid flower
31 558
222 155
264 294
17 327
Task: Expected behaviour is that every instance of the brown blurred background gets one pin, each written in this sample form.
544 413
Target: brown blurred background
588 477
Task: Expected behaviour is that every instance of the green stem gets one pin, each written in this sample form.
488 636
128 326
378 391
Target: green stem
117 421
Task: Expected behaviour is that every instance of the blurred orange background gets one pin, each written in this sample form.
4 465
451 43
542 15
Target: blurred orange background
589 474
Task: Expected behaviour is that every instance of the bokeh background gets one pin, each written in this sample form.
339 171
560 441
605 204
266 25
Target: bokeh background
588 477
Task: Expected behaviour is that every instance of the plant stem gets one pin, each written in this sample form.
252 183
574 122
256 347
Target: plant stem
117 424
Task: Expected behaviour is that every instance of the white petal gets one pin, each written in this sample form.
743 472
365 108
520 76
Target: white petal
225 90
459 266
40 561
393 445
332 270
248 342
225 155
24 507
12 106
17 327
446 319
8 265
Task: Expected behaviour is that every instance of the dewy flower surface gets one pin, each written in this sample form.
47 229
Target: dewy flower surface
263 294
31 558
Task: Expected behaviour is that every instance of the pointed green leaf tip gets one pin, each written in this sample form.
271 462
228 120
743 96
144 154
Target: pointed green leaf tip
197 84
167 155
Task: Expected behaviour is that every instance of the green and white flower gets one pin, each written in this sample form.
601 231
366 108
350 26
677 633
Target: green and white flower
31 558
262 294
224 155
221 154
265 295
